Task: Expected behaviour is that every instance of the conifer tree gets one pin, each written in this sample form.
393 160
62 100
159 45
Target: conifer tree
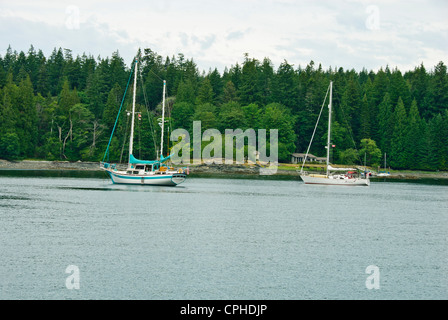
385 123
399 150
266 82
365 122
55 68
26 123
186 92
231 116
217 85
205 93
284 89
112 107
414 141
229 93
439 89
249 90
9 138
351 105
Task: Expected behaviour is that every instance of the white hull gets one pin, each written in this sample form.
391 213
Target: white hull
349 179
309 179
166 179
383 175
143 172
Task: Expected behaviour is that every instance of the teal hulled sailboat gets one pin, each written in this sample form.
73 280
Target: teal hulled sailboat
143 172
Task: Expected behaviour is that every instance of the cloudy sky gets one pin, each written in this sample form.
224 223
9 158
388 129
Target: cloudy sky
335 33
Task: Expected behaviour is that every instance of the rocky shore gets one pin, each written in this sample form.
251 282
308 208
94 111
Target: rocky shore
48 165
202 169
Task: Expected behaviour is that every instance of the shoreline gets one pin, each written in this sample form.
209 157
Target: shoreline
202 169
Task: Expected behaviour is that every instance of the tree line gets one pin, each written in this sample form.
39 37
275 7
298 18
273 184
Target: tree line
63 107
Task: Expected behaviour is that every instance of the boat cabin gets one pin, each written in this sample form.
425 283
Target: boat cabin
140 169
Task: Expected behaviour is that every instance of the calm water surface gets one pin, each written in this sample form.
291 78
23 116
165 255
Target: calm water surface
221 239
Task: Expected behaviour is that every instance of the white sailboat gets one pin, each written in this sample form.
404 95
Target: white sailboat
144 172
333 176
384 173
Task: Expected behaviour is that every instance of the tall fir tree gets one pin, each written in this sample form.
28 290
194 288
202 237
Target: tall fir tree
186 92
8 119
249 90
55 68
205 93
365 122
217 85
440 89
27 120
399 153
284 89
419 86
385 123
350 106
399 89
266 82
381 85
414 141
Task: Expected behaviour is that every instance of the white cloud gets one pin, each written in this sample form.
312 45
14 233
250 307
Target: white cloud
349 34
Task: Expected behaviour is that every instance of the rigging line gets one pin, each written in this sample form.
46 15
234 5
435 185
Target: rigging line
147 112
170 126
125 138
315 127
139 138
170 105
150 70
119 111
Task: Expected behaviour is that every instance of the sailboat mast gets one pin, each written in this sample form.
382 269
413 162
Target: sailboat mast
163 120
131 141
329 126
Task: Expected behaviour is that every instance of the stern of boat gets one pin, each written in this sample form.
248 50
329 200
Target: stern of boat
178 178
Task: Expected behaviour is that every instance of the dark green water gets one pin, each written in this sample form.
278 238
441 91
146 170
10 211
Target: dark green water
218 238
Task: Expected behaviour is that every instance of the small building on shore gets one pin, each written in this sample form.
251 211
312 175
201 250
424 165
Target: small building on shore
298 158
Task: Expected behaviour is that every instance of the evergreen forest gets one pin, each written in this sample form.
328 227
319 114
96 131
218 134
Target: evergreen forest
63 107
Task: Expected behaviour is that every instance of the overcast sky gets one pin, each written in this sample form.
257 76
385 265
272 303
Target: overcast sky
350 33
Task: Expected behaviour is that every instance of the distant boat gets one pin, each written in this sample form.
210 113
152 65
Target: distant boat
333 176
144 172
384 173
